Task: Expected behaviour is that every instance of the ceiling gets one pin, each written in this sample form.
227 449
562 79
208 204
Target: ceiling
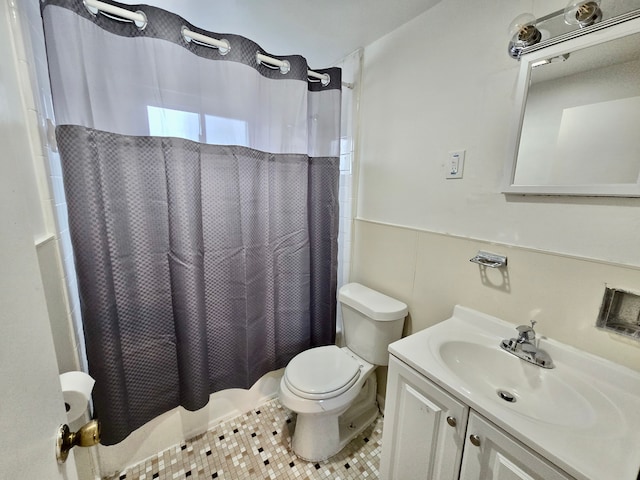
324 31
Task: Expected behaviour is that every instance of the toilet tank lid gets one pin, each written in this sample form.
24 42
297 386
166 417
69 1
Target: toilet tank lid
371 303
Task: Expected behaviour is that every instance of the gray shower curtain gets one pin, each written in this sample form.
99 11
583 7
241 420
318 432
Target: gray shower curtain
202 191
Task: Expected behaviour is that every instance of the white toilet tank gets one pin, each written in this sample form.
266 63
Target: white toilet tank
371 321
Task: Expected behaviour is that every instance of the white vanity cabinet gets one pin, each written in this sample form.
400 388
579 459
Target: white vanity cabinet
424 428
492 454
428 434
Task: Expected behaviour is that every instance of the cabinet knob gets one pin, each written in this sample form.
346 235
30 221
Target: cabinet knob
451 421
475 440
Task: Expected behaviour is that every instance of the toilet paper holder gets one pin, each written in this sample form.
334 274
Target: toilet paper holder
87 436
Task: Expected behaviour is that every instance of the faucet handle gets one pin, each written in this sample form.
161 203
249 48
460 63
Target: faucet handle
525 333
533 323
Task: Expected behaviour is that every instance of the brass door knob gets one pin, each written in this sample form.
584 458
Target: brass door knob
87 436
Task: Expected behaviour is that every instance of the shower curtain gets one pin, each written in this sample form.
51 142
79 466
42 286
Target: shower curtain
202 190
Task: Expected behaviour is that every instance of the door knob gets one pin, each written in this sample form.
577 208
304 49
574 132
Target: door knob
475 440
87 436
451 421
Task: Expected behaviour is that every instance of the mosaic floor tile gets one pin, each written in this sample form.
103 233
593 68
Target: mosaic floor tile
255 446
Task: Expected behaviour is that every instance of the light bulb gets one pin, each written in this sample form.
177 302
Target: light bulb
582 12
520 23
523 33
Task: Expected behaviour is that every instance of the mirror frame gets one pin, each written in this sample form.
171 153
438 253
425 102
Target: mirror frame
608 190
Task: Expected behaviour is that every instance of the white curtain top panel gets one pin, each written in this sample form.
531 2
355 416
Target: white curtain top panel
145 85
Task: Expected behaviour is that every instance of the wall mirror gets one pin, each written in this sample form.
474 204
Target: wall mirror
577 125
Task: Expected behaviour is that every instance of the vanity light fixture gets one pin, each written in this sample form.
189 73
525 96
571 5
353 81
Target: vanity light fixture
529 34
523 33
582 12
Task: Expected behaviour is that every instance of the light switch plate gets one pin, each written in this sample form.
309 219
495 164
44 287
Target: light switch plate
455 164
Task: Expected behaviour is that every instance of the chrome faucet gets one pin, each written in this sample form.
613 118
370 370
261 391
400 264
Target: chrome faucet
525 347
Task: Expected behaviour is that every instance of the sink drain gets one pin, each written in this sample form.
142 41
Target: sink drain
506 396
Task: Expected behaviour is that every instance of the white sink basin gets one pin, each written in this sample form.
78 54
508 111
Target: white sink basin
542 394
583 415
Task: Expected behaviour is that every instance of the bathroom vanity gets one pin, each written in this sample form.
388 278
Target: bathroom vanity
459 406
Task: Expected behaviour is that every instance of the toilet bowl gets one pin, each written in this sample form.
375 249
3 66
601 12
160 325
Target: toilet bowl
320 385
333 390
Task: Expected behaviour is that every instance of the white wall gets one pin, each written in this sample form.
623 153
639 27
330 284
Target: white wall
444 82
428 89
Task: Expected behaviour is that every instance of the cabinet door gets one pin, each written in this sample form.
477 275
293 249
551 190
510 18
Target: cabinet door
491 454
423 430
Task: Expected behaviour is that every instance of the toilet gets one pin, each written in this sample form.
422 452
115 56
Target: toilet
333 390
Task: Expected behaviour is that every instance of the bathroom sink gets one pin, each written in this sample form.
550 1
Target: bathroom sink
544 395
583 414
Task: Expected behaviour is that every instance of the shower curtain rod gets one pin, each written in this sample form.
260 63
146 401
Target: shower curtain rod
140 19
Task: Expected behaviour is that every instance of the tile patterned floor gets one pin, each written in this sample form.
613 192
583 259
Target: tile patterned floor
256 446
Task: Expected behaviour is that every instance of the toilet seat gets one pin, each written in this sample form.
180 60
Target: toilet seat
321 373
